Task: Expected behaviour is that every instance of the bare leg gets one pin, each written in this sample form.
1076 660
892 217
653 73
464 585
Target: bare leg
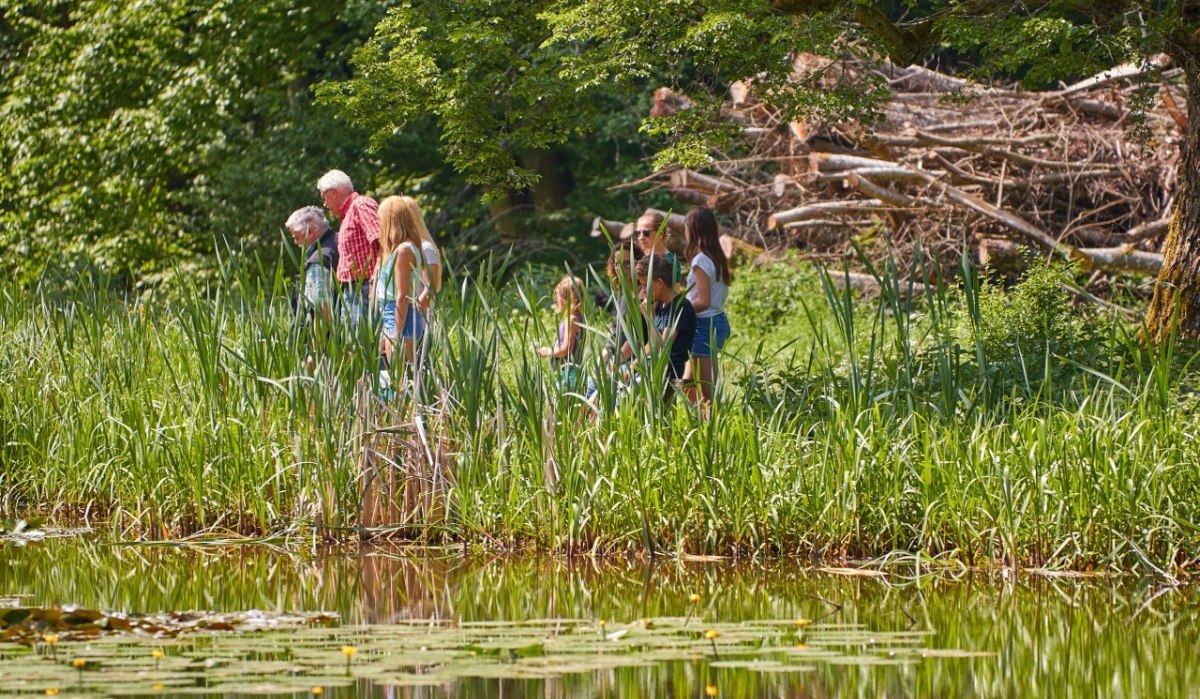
689 380
707 368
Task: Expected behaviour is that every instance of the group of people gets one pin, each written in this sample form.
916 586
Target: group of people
655 307
381 261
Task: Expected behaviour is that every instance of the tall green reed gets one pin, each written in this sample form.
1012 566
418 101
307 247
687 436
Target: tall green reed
877 427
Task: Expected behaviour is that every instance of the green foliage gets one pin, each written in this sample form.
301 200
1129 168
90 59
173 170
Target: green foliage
871 435
1040 49
1032 327
137 134
506 77
772 294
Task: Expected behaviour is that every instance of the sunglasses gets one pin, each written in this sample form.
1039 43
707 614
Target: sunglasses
645 232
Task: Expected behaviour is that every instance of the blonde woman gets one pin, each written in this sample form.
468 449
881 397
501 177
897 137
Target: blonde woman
399 281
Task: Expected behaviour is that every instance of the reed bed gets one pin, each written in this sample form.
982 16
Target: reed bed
857 428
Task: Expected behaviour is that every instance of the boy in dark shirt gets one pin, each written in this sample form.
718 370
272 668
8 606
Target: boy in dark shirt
674 317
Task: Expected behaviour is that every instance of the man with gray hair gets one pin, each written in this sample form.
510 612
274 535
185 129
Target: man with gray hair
319 244
358 239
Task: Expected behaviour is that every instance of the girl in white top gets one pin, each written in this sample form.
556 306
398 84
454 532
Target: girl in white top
709 277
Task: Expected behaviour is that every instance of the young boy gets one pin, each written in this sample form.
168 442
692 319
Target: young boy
674 317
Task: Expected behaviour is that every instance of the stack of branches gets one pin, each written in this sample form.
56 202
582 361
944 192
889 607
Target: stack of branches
1087 172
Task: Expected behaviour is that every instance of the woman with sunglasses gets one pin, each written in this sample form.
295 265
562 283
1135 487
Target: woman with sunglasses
652 237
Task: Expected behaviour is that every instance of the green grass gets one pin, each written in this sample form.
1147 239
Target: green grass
845 426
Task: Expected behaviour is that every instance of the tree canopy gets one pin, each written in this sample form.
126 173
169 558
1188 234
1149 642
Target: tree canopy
506 76
138 133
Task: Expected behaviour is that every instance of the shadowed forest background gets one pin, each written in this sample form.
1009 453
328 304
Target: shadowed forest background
144 138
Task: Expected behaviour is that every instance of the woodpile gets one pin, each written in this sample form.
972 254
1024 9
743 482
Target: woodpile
1087 172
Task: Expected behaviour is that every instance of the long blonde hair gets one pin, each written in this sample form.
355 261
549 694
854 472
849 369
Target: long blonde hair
400 221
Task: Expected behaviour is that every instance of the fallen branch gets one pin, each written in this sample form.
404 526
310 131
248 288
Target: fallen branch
1123 258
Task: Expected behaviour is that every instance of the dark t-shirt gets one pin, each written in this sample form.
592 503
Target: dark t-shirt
680 315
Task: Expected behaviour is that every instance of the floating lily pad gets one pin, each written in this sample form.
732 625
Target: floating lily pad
268 654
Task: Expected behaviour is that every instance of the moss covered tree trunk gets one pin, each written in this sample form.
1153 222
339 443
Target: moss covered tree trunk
1177 294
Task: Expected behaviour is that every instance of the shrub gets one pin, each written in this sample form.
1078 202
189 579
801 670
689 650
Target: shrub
1033 325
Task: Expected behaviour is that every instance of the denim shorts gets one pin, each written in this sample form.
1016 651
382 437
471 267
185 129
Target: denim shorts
414 324
711 334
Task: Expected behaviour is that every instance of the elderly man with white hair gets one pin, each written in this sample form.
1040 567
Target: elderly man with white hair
311 232
358 239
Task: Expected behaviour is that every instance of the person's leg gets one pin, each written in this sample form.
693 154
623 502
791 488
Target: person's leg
414 330
710 366
706 370
688 383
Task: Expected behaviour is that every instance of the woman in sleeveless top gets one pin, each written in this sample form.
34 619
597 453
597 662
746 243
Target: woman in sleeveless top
399 282
709 277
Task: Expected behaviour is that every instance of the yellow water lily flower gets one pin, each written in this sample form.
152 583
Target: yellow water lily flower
78 663
710 635
694 597
710 690
349 651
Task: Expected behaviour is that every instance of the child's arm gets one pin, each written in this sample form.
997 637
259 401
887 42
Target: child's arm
703 298
403 271
431 272
563 349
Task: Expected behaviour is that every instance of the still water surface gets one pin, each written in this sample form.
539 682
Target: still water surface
1028 636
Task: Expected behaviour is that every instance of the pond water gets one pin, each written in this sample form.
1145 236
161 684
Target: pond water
430 623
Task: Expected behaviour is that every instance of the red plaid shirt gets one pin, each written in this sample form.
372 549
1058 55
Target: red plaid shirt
358 238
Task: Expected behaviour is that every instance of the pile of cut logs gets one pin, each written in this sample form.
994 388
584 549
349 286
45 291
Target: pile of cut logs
1086 172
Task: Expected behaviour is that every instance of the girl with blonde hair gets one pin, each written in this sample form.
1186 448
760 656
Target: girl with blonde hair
567 353
399 281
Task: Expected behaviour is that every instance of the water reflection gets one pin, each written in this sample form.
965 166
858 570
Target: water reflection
1050 637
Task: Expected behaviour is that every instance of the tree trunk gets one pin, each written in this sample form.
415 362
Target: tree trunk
1177 294
549 193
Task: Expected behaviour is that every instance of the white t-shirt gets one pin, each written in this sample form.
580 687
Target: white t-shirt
718 291
430 251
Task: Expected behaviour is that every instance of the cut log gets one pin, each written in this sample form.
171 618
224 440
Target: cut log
675 223
1123 258
689 196
739 251
916 78
820 210
1003 256
870 189
1146 231
1121 72
602 227
691 179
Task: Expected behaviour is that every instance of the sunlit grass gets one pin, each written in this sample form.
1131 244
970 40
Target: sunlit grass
853 427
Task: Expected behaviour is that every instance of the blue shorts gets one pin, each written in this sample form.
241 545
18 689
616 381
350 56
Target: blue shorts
414 324
711 334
